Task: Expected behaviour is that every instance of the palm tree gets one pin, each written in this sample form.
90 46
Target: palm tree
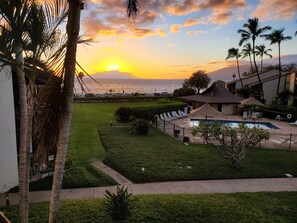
247 51
261 51
73 26
232 52
14 16
277 36
252 31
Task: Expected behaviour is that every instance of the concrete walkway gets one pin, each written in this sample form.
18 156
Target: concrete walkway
181 187
120 179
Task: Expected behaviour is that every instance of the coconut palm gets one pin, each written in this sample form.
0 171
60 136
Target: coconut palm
277 36
247 51
261 51
73 26
14 15
252 31
232 52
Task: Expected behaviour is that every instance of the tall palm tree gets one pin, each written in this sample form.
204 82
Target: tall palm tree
247 51
252 31
277 36
14 15
261 51
73 26
232 52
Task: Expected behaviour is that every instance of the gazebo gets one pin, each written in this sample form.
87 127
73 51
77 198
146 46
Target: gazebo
206 111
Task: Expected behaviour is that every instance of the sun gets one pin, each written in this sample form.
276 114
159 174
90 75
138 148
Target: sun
113 67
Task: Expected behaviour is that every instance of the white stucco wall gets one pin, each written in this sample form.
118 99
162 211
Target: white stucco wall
8 147
228 109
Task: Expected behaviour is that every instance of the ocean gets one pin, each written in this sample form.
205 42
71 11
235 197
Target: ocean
114 86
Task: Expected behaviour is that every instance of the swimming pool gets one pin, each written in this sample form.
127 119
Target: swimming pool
234 124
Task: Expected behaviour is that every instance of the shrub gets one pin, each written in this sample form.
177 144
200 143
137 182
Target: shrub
148 111
184 91
164 101
123 114
140 126
117 205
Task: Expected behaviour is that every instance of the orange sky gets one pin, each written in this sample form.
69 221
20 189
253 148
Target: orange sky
171 39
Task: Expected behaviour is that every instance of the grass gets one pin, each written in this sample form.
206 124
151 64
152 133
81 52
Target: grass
166 159
85 146
230 208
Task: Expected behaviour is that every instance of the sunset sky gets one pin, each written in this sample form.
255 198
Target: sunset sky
170 39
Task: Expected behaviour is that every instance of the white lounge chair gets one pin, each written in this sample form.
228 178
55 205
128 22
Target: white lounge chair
245 115
174 114
254 116
161 116
165 116
169 115
294 123
181 113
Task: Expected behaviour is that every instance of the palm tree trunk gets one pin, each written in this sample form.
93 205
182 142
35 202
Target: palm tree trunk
23 151
69 69
261 63
252 69
256 68
239 72
279 70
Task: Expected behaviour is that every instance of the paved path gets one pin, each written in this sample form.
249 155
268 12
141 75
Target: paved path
112 173
181 187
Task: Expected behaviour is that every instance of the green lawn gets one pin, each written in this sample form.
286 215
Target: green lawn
166 159
85 146
211 208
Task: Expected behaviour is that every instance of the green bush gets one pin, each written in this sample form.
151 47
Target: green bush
140 126
148 111
184 91
123 114
117 205
164 101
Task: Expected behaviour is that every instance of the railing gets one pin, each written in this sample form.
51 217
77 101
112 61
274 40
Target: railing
277 140
116 99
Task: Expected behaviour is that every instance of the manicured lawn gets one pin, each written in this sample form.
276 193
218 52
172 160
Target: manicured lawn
85 146
213 208
166 159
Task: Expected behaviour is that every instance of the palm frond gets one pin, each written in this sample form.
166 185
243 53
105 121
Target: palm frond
133 8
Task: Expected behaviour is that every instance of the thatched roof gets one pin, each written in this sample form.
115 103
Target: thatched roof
215 94
252 101
204 110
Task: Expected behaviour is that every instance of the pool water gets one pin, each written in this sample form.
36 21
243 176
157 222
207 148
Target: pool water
234 124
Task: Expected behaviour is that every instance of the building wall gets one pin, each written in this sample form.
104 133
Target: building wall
270 87
8 147
228 109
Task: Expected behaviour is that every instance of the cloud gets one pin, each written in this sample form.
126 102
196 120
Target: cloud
276 9
108 17
171 44
195 32
190 22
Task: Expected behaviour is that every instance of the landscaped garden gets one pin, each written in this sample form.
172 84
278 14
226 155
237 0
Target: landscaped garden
163 157
231 208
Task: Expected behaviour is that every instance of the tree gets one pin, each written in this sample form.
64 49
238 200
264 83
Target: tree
232 143
72 29
232 52
14 23
184 91
252 31
261 51
199 80
277 36
247 51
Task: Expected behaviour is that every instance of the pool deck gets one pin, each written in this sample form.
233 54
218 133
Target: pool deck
285 137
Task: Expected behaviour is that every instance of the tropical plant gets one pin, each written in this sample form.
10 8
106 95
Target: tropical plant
232 52
252 31
140 126
277 36
198 81
232 143
184 91
118 205
261 51
243 92
123 114
246 52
